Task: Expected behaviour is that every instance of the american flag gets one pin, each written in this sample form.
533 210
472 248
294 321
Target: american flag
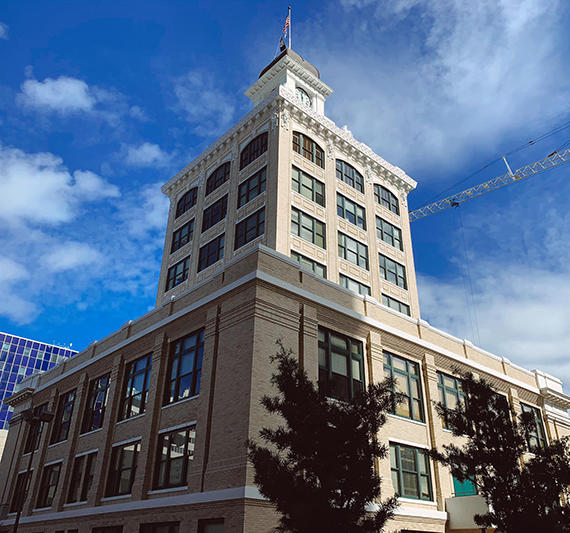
286 25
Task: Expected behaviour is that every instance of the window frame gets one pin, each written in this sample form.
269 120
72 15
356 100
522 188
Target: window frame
155 527
62 423
81 480
311 193
180 237
539 434
347 208
187 456
175 277
344 281
243 232
218 177
127 396
19 495
398 469
409 377
97 387
205 253
386 299
214 213
35 431
247 192
361 259
388 233
386 198
117 467
456 391
349 175
318 229
309 263
308 148
48 485
253 150
399 275
187 201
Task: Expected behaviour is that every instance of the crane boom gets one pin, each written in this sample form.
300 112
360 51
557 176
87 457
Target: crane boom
553 160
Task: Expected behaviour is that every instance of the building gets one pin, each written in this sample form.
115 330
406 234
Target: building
285 228
19 358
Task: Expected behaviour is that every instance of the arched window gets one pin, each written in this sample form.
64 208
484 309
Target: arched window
308 148
350 175
253 150
218 177
187 201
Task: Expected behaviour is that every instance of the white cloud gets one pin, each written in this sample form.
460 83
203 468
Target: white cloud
63 95
138 113
146 212
3 31
12 304
38 188
204 104
146 155
70 255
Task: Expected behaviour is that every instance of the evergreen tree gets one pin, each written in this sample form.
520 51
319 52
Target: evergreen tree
526 493
319 467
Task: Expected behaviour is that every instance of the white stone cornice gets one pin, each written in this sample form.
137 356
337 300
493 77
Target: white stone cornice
555 398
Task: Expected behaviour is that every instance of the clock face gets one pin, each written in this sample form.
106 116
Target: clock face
303 96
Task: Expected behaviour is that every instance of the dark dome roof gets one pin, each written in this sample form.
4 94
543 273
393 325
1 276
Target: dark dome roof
296 57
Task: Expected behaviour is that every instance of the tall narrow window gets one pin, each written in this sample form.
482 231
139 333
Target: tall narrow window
185 368
253 150
393 272
386 198
308 148
19 492
175 450
122 469
96 403
211 252
62 418
187 201
407 377
389 233
349 175
250 228
182 236
308 228
451 392
252 187
411 476
218 177
341 366
351 211
309 187
536 437
352 250
214 213
48 485
35 430
177 273
135 389
81 478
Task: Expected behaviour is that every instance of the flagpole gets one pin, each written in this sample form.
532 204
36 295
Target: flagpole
289 15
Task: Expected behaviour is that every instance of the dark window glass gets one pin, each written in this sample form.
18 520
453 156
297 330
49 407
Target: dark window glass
349 175
211 253
308 228
177 273
19 492
411 476
35 430
311 264
350 211
252 187
355 286
175 449
215 525
308 148
96 402
352 250
62 418
250 228
406 374
214 213
536 438
48 485
218 177
392 303
81 478
309 187
182 236
393 272
160 527
135 389
386 198
451 393
187 201
253 150
185 368
108 529
341 365
389 233
122 469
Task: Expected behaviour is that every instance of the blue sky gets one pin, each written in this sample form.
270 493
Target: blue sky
101 102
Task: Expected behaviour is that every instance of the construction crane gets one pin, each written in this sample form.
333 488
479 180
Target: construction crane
555 159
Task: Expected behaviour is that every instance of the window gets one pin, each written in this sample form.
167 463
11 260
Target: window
253 150
308 228
389 233
386 198
177 273
411 476
35 430
214 213
96 402
48 485
182 236
185 368
451 392
175 449
536 437
393 272
19 492
309 263
351 211
352 250
250 228
392 303
354 286
407 377
135 389
122 470
464 488
108 529
218 177
187 201
252 187
309 187
211 253
308 148
349 175
160 527
81 478
341 365
211 526
62 417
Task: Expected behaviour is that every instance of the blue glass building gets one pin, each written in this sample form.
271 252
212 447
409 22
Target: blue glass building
21 357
